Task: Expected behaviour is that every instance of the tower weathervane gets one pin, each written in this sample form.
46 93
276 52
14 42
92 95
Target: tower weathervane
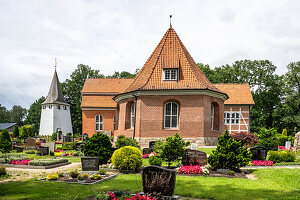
170 20
55 63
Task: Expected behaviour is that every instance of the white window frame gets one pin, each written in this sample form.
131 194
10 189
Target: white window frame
171 115
98 123
132 115
170 71
233 119
65 107
212 116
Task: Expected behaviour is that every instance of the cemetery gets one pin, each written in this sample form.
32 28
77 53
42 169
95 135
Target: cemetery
126 170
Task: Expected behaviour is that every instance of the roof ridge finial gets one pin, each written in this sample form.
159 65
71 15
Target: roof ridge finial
170 21
55 64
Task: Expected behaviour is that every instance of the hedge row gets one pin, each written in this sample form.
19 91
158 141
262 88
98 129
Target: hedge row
46 162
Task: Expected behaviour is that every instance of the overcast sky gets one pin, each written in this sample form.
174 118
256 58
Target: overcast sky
120 35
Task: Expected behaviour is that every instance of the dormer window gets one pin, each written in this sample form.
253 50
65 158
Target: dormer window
170 74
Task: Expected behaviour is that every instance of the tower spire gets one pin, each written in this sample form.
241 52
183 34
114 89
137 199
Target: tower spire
170 21
55 64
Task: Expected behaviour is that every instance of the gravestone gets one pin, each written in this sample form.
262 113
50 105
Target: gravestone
84 137
30 144
287 144
147 151
194 157
159 181
259 153
79 146
90 164
151 144
60 136
44 151
19 149
297 142
194 146
67 138
50 145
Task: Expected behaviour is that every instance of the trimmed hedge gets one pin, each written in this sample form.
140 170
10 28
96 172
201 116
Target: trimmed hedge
281 156
46 162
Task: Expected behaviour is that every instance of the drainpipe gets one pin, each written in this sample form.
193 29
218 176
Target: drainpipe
135 102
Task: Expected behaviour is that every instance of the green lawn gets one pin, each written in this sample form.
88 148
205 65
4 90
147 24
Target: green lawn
207 150
271 184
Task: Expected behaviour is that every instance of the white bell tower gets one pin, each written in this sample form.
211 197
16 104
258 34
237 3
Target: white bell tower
55 115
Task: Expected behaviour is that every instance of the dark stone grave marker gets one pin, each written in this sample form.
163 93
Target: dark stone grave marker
151 144
159 181
259 153
30 143
90 164
147 151
44 151
194 157
67 138
43 140
18 148
84 137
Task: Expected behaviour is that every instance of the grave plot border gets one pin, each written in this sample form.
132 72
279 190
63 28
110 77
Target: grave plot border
98 181
36 167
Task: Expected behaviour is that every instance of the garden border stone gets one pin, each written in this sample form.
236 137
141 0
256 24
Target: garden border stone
36 167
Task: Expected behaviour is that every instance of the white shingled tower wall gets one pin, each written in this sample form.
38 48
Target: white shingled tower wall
55 115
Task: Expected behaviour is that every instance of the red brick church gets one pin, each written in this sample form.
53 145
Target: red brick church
169 95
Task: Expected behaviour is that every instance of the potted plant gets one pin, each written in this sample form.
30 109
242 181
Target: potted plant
74 173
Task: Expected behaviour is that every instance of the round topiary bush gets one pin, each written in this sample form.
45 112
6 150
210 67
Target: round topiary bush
98 145
155 160
127 158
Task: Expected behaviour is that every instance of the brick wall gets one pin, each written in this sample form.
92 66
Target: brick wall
88 120
194 117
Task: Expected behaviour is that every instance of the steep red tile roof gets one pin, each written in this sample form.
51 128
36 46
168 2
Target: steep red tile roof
102 85
239 93
170 53
98 102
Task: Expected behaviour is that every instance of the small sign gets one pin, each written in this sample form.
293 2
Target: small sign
90 164
287 144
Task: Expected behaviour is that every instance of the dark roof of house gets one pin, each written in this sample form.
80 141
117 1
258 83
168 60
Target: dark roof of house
55 95
6 125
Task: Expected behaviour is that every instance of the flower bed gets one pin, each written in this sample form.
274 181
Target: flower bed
20 162
46 162
262 163
108 166
59 150
193 169
148 155
113 196
283 148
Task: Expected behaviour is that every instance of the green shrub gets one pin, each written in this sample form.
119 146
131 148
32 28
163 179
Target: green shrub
282 139
69 146
16 132
123 141
46 162
173 148
284 132
51 153
102 171
127 158
2 161
155 160
54 136
2 171
229 154
26 131
5 142
281 156
31 152
267 138
158 146
77 153
98 145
